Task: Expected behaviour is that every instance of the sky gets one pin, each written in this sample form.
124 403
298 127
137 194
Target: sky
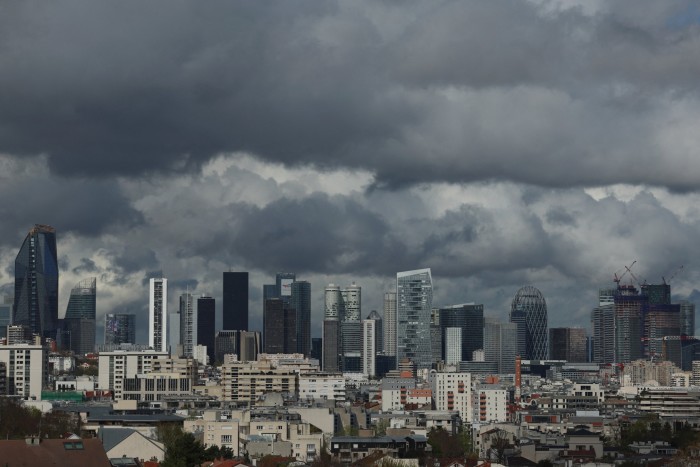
501 144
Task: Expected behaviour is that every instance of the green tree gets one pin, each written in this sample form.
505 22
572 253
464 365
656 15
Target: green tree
181 449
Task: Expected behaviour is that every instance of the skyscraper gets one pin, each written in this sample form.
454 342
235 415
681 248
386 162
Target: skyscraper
687 318
470 319
529 310
5 315
158 315
206 325
36 282
279 327
351 328
187 337
80 316
630 308
301 302
390 323
567 344
352 302
369 347
414 300
379 330
235 303
120 329
500 344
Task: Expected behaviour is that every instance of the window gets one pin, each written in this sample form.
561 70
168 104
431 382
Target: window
226 439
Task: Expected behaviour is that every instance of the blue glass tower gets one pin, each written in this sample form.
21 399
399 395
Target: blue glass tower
36 282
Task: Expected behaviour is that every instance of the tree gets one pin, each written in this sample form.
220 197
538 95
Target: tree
181 449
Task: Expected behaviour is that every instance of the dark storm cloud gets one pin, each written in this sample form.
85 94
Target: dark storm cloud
452 91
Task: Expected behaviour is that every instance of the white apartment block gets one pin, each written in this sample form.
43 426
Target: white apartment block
154 387
26 368
369 347
158 315
681 380
326 386
248 381
117 365
490 404
695 373
588 390
292 361
216 430
453 391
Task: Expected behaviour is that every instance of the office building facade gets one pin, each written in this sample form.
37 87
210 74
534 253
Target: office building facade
279 327
120 328
235 301
529 313
36 282
470 319
390 324
414 300
206 325
568 344
187 331
500 344
79 321
369 347
300 301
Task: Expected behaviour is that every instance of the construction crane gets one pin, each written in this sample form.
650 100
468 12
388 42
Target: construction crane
672 275
617 279
629 269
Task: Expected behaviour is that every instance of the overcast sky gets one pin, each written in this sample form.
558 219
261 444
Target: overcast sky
500 143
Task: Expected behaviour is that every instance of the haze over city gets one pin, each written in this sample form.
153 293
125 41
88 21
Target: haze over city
501 144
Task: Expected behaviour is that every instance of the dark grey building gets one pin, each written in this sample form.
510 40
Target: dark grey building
331 345
36 282
301 303
79 321
206 325
317 348
235 301
120 328
470 319
279 327
529 311
568 344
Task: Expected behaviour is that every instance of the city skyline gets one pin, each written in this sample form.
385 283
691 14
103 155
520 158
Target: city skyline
485 142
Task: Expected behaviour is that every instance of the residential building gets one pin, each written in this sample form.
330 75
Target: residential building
26 370
452 340
379 330
490 404
235 301
414 299
158 315
369 347
322 386
453 391
117 365
36 282
155 387
248 381
120 328
529 312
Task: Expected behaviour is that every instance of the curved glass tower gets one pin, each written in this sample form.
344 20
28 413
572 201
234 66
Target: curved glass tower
529 312
36 282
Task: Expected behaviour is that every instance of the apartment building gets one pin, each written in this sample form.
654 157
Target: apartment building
248 381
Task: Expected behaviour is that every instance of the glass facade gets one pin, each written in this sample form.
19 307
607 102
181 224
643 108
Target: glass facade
470 319
529 312
120 328
79 321
301 302
414 300
36 282
235 301
206 325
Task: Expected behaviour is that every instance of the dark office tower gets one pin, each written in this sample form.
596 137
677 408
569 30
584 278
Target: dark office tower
568 344
36 282
662 320
279 327
630 309
529 305
206 325
187 331
379 330
225 342
470 319
687 318
270 291
301 302
331 345
235 304
80 316
659 294
603 325
248 346
120 329
317 348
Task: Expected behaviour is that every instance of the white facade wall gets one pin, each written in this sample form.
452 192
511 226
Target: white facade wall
322 386
453 391
391 399
453 345
115 366
27 367
490 405
390 323
588 390
158 315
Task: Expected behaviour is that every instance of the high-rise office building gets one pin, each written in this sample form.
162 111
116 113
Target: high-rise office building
332 316
279 327
120 328
187 334
369 347
158 315
206 325
80 316
379 330
235 301
352 302
283 285
630 307
5 315
470 319
500 344
568 344
333 303
300 301
317 349
603 327
687 318
225 343
390 323
249 346
529 312
36 282
414 300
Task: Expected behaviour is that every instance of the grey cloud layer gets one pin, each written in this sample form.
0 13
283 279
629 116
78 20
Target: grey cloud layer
451 91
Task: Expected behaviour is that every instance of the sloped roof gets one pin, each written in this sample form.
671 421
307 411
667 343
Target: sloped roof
78 453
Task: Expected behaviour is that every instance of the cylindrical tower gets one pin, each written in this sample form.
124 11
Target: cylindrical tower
529 303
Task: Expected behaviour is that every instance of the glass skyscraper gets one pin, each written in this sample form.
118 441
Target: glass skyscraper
301 302
206 325
36 282
120 329
80 316
235 301
529 312
470 319
414 300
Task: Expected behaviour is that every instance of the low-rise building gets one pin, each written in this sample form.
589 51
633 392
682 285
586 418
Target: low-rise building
248 381
325 386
